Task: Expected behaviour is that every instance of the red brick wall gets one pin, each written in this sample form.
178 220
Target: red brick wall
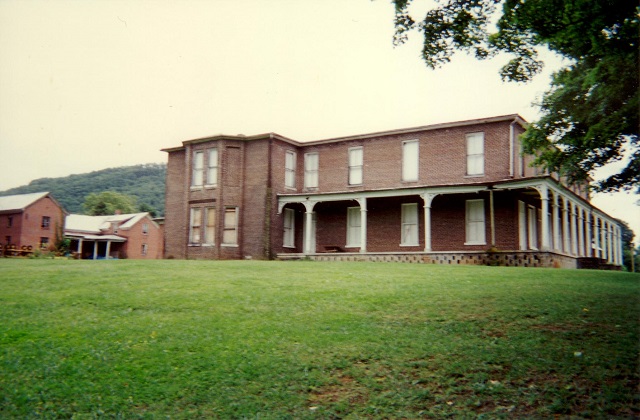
176 209
136 238
27 227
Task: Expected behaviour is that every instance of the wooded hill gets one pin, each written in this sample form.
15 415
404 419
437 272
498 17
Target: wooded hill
145 182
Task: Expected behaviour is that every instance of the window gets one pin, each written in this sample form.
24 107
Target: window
475 154
212 168
198 167
46 221
311 170
409 235
144 249
230 234
44 243
353 227
532 227
8 240
9 221
475 223
355 166
410 160
289 228
195 226
210 226
145 228
290 169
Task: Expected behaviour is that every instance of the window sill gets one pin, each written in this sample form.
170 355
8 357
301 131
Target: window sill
194 245
409 244
289 246
475 176
195 188
475 243
210 187
229 245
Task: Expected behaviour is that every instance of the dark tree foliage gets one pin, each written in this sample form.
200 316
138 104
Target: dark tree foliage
144 182
590 114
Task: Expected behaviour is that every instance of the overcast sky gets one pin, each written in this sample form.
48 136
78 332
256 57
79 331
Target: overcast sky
87 85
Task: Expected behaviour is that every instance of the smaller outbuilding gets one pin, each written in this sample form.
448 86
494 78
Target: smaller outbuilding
135 236
29 222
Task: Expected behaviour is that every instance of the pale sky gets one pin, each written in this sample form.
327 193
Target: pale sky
87 85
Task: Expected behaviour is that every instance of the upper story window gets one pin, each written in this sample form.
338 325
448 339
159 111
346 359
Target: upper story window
410 159
197 177
195 224
475 154
290 169
289 228
145 228
9 221
409 236
355 165
311 170
230 233
212 167
46 222
475 223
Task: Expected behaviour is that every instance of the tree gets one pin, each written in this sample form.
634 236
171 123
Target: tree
108 202
590 113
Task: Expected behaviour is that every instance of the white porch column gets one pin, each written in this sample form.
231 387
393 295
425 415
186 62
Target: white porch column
363 224
616 238
106 255
580 232
574 230
80 247
603 239
610 243
308 226
95 250
565 226
556 223
589 237
427 198
596 237
620 253
544 222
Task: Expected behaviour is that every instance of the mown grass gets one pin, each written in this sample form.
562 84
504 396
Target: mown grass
250 339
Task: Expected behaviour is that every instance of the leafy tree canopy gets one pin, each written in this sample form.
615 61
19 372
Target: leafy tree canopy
590 113
109 202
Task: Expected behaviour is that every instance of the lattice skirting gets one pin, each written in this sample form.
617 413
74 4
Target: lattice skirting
508 259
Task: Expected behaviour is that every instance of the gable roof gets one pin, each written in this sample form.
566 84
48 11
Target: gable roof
95 224
20 202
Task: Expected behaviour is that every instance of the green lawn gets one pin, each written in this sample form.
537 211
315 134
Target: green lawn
249 339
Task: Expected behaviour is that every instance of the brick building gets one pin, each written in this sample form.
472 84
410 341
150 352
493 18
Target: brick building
443 193
134 236
30 220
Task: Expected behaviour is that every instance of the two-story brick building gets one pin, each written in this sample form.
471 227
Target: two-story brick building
30 220
443 193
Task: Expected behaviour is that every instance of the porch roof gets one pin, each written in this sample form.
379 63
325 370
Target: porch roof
90 237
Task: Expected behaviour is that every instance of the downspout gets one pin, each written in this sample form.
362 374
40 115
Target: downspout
492 218
268 204
512 146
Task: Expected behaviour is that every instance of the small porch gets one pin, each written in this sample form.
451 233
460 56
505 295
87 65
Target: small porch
96 247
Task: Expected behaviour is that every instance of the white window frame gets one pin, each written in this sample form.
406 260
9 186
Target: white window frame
475 222
290 169
475 154
410 225
354 227
212 167
209 228
197 169
289 235
311 170
230 228
356 165
410 160
145 249
195 226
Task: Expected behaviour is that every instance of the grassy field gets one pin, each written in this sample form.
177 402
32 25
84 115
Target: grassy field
189 339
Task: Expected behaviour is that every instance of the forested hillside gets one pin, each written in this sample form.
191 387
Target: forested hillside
145 182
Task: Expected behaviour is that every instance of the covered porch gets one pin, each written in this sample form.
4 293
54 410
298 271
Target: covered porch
536 223
96 247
